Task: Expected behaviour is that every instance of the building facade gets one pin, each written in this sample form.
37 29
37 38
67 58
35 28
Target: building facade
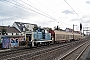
23 27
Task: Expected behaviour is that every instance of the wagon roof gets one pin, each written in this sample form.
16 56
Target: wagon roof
64 32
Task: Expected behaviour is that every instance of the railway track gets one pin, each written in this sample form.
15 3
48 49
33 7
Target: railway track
13 52
51 55
16 52
40 53
76 53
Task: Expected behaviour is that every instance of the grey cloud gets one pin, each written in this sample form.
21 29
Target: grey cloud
87 21
8 19
88 2
78 19
75 19
86 16
68 12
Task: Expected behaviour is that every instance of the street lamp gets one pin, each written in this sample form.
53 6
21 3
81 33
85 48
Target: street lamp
73 30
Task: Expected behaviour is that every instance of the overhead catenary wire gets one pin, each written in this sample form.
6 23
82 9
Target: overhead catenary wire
45 6
38 9
44 14
15 7
73 10
22 6
26 8
11 15
49 9
15 15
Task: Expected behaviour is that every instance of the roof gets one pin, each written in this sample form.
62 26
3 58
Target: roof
71 30
9 29
22 25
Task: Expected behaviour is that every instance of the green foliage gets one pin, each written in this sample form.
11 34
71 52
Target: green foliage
3 30
26 29
35 28
57 28
48 28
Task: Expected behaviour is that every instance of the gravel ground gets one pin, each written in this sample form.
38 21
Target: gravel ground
88 55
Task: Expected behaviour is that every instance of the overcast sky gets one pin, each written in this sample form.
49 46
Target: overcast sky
46 13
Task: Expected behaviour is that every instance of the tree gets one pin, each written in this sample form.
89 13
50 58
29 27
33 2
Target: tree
47 28
35 28
3 31
57 28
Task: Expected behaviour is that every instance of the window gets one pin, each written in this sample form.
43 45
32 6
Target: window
17 34
12 33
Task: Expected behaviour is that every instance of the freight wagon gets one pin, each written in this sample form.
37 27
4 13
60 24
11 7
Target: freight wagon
63 36
51 37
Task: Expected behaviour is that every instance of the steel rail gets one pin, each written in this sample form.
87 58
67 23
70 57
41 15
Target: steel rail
48 52
81 53
43 50
73 51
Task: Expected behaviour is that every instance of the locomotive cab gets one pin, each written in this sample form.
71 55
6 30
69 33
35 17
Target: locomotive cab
28 37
